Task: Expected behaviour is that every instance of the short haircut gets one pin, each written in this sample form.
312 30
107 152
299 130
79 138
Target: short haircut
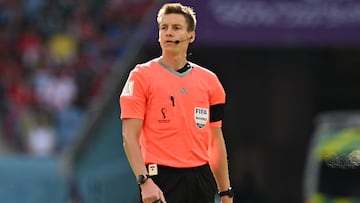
178 8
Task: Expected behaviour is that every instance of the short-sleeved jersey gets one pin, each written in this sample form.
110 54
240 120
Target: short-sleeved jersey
175 108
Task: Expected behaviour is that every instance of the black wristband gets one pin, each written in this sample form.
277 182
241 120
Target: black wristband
142 178
228 193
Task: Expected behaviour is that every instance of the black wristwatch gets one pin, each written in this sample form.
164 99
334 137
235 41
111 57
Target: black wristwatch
142 178
228 192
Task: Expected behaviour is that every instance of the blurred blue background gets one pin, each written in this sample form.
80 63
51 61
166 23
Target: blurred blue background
63 64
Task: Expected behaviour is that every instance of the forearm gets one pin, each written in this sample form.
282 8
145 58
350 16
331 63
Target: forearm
131 134
219 161
134 156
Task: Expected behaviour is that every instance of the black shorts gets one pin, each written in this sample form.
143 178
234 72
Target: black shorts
186 185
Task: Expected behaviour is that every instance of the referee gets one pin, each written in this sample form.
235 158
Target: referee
171 112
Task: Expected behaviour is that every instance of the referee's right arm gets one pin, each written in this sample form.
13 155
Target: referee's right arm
131 129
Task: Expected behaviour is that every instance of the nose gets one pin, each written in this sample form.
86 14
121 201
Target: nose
169 32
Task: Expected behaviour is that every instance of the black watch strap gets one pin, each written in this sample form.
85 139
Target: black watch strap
142 178
228 193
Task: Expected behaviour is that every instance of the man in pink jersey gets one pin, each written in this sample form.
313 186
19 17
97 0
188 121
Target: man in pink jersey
172 111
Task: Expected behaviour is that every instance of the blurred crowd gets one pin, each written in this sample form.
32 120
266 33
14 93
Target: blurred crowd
54 57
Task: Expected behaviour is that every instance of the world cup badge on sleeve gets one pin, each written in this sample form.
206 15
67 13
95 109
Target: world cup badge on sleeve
128 88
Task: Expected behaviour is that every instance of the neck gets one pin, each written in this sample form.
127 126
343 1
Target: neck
174 62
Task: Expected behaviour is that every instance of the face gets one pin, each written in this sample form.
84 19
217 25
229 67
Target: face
173 27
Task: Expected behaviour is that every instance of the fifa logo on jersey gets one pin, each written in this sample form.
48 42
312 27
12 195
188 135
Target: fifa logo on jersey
163 112
201 116
163 116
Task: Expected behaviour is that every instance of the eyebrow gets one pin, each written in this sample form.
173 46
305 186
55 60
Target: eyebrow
173 25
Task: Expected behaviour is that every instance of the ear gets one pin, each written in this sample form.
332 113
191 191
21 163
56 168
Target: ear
192 37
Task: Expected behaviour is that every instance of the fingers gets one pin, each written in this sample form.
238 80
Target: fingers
151 193
162 198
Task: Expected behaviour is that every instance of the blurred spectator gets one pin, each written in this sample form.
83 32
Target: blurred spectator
41 137
30 47
63 48
63 90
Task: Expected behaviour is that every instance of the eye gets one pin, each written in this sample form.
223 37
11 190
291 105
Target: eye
163 28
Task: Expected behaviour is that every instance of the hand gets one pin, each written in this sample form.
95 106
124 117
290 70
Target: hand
151 193
226 199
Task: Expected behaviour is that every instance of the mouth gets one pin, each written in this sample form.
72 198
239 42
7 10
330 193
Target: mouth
169 43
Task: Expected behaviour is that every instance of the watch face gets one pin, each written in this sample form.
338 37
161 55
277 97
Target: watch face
231 193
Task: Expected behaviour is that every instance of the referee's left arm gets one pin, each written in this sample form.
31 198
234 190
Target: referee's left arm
219 162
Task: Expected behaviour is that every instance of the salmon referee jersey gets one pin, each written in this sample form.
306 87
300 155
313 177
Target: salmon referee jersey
176 110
